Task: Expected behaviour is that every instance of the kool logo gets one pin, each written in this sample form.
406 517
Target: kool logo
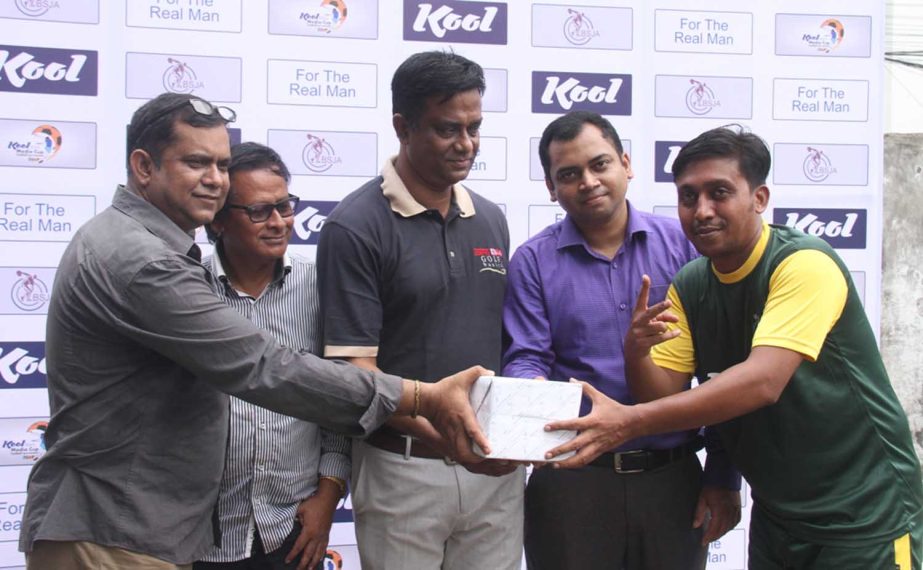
455 21
561 92
844 229
22 365
47 70
665 153
309 219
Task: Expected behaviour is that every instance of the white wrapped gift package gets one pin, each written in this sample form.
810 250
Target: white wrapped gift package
513 413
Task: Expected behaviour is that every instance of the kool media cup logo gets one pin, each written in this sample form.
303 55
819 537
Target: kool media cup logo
700 99
332 561
578 28
817 166
179 77
318 154
829 38
44 144
328 17
35 8
29 292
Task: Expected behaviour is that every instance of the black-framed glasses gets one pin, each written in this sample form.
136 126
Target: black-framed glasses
261 212
200 106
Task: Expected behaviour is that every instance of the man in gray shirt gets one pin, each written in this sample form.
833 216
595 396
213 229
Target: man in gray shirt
141 354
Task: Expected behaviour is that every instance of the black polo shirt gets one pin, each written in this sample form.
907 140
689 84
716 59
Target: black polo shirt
398 282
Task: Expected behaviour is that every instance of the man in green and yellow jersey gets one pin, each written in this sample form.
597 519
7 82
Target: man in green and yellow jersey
770 323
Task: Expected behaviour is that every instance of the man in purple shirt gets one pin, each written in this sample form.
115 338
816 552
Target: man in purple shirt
568 306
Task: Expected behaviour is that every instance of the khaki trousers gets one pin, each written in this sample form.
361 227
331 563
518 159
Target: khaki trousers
422 514
82 555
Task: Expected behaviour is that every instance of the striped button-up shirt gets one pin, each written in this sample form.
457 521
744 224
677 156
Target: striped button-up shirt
273 461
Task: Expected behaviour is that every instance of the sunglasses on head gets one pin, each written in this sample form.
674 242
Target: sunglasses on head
200 106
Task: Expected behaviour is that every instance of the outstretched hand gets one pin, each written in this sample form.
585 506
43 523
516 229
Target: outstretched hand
607 425
649 324
446 405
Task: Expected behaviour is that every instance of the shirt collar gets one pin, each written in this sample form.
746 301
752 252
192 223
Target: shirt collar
155 221
754 258
283 268
570 234
403 202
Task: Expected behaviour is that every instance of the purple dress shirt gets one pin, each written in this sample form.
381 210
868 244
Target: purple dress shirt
567 309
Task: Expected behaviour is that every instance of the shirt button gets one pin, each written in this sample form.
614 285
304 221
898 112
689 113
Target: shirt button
623 306
451 254
262 425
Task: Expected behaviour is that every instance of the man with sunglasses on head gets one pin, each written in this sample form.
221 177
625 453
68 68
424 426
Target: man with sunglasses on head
283 477
141 353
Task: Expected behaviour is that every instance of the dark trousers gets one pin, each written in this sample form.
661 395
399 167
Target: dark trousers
259 559
596 518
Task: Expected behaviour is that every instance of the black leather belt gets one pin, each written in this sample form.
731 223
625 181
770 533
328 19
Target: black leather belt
390 439
640 460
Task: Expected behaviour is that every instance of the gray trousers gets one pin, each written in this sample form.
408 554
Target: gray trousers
596 518
425 514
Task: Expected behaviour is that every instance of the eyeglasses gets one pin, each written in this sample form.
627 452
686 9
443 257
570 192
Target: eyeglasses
200 106
262 212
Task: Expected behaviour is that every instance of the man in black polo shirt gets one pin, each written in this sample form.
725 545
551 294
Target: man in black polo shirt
412 273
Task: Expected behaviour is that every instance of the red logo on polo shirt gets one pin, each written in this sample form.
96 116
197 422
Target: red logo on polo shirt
491 259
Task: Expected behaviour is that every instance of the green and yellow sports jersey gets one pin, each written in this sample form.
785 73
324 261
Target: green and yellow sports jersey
832 460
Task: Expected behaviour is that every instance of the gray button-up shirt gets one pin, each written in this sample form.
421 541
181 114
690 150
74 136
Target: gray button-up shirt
140 353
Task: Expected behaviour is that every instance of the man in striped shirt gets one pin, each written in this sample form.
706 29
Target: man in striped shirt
283 477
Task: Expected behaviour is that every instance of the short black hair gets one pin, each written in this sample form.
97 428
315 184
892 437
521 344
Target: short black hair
430 73
245 157
729 141
151 127
567 127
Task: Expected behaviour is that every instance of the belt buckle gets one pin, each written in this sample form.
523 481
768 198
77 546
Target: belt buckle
618 461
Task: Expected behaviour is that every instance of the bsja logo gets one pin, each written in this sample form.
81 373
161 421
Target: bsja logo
842 229
309 219
36 8
560 92
817 166
700 99
179 77
578 28
455 21
22 365
48 70
318 155
29 292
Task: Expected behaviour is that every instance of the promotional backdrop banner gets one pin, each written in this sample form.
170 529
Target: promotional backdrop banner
311 78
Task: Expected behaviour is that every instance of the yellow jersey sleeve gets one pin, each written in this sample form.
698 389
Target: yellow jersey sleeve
807 293
676 354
